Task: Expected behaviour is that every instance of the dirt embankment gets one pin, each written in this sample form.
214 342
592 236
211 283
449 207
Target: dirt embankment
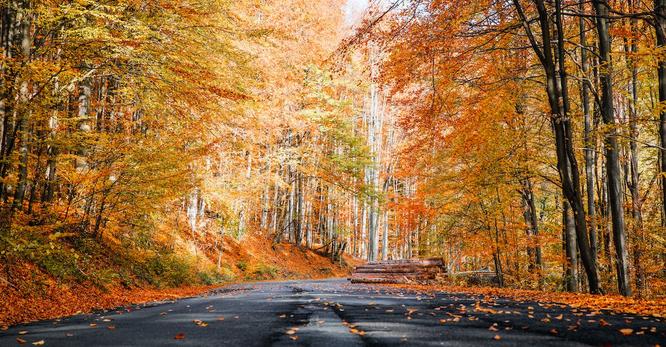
28 293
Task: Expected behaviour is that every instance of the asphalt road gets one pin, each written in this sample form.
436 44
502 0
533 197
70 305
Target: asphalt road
336 313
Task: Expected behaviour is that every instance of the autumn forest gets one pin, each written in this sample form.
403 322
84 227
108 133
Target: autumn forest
163 144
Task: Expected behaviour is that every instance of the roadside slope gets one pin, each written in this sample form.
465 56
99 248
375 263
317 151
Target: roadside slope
32 291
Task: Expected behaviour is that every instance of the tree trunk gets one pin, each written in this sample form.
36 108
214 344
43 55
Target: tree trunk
615 197
587 137
660 29
566 159
530 215
571 259
634 181
299 209
385 232
23 109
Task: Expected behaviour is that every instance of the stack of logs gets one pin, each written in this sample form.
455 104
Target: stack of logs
399 271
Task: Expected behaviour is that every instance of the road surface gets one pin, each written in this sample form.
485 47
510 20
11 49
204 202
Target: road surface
336 313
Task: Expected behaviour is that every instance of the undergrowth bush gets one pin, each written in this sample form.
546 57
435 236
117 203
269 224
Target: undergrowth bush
265 271
241 265
164 270
80 258
50 255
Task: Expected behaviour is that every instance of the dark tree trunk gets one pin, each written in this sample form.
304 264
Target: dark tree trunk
660 29
530 215
631 48
22 110
615 197
571 256
567 164
588 140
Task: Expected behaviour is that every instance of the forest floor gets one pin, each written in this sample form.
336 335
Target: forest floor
28 293
607 303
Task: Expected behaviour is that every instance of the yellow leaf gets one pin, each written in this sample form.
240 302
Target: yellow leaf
626 331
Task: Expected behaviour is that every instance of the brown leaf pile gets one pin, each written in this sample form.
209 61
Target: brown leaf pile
55 300
615 303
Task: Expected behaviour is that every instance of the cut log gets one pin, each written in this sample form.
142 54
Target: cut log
398 271
382 280
398 268
390 279
429 261
402 280
388 275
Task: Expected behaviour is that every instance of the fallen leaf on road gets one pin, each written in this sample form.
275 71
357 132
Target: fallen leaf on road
626 331
603 323
23 332
200 323
572 327
553 331
497 337
479 308
179 336
293 337
92 325
220 318
20 340
111 327
38 343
